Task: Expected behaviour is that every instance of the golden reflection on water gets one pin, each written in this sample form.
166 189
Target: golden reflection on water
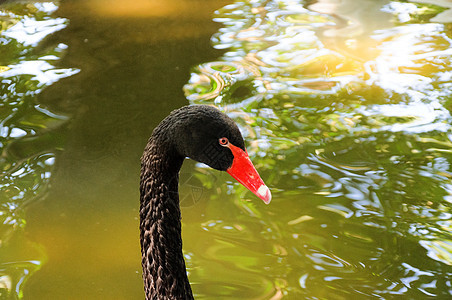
148 8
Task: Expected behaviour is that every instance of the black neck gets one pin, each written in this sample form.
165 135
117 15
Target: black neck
164 271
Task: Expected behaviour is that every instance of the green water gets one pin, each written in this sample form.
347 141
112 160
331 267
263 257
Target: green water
346 111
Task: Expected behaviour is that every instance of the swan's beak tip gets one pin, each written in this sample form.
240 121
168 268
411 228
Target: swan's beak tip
264 193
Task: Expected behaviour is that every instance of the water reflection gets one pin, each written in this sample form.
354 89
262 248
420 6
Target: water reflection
349 113
29 132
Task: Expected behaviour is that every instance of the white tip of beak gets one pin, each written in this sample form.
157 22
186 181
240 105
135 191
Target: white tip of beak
264 194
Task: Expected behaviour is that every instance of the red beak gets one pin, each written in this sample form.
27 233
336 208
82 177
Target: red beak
243 171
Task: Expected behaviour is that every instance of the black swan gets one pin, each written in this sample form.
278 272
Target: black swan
204 134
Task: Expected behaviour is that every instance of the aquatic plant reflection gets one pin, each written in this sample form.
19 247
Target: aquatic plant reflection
29 133
350 109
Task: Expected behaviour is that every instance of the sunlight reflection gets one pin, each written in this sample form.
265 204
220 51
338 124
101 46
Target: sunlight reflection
443 17
30 32
418 116
349 105
146 8
43 72
439 250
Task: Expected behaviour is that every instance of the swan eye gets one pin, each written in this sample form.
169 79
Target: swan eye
223 141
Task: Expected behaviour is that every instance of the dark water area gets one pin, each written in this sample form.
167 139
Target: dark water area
345 108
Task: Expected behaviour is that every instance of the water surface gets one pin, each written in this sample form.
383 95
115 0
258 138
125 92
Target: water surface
345 107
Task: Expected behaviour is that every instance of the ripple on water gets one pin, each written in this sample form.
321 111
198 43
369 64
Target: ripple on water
237 265
13 276
29 132
440 250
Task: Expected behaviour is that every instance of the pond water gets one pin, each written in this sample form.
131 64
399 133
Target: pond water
345 107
